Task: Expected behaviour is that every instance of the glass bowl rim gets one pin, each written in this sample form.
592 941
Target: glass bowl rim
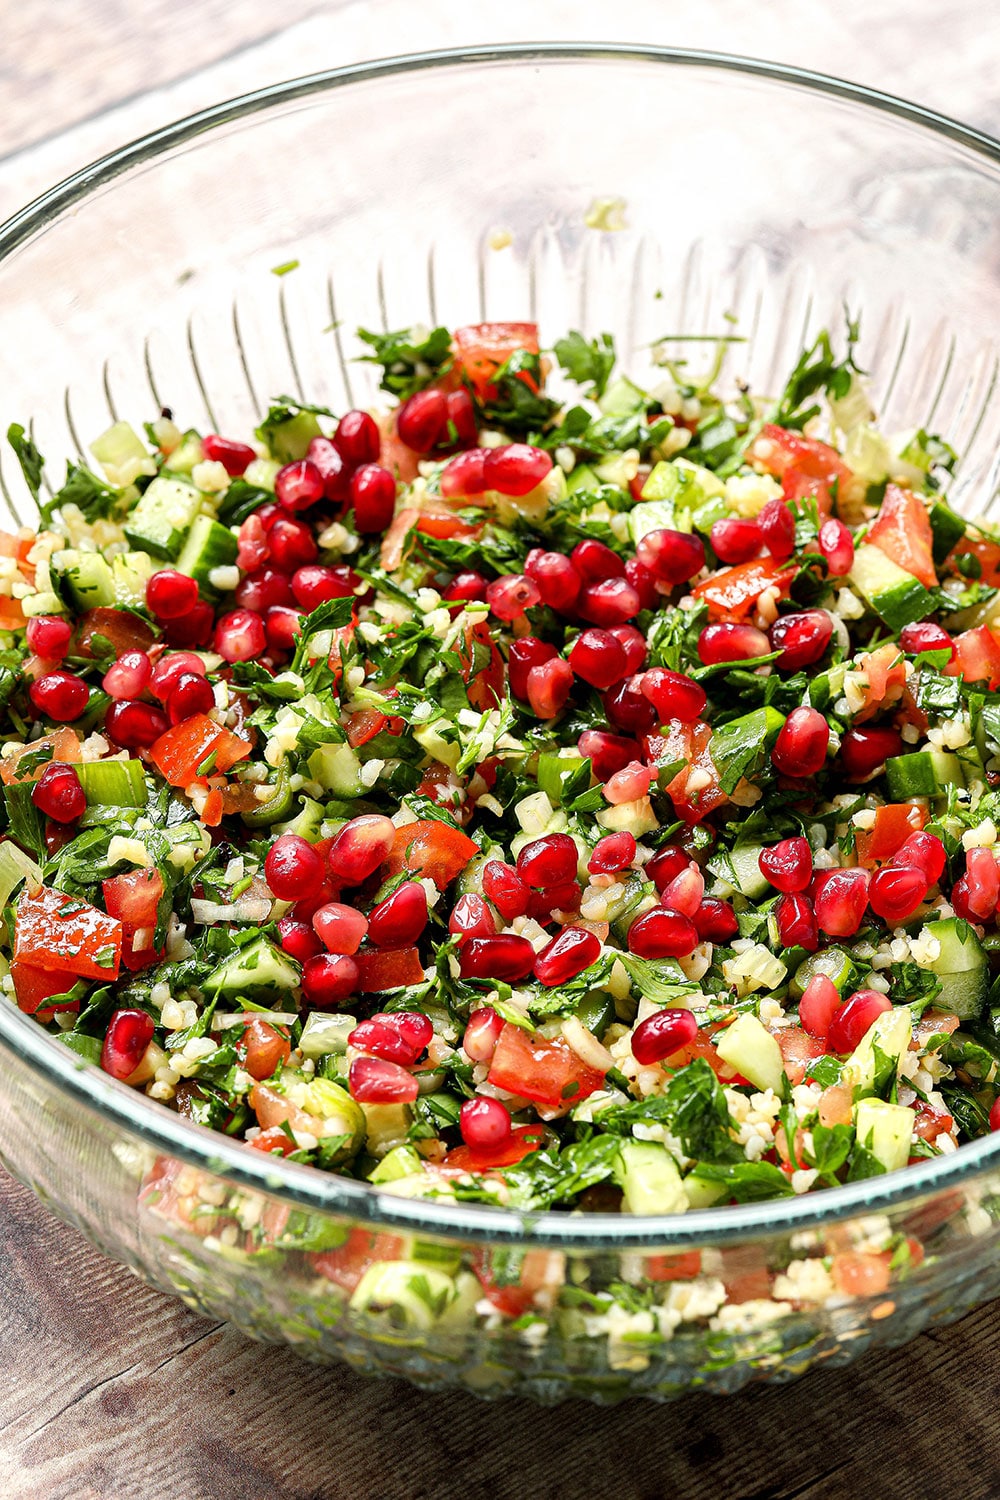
308 1187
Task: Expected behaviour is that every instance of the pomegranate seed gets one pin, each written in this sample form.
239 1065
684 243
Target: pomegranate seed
59 794
505 888
598 657
292 544
472 917
129 676
464 475
515 468
526 653
895 893
926 852
557 580
328 979
994 1115
818 1006
735 540
262 589
796 922
595 562
960 900
837 546
865 751
607 753
192 629
271 511
550 860
253 548
341 927
554 898
614 852
801 639
484 1123
840 904
716 921
299 485
396 1036
567 955
235 458
360 847
685 892
671 556
422 421
549 687
627 707
298 939
506 957
191 695
399 920
128 1035
726 643
49 636
983 880
777 527
666 865
674 695
482 1033
662 934
662 1034
240 635
331 467
170 594
855 1018
462 417
787 865
307 906
801 746
644 583
510 596
61 696
170 668
357 439
283 625
293 868
610 602
926 636
634 643
373 494
373 1080
314 584
464 586
135 726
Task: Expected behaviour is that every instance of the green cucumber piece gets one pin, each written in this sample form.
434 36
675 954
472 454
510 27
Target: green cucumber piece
924 773
834 963
649 1179
163 517
961 967
289 440
88 579
583 477
414 1294
401 1161
947 530
258 968
750 1048
895 595
208 545
113 783
278 805
886 1131
745 861
337 769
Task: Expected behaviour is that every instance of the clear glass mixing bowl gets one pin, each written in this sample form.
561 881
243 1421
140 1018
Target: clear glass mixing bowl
457 187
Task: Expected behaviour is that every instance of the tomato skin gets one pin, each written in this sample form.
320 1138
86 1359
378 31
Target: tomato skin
688 743
683 1267
346 1265
367 723
797 1049
902 530
388 969
263 1047
548 1072
988 554
69 944
893 825
977 657
732 594
805 466
481 348
432 849
33 987
65 746
485 689
858 1274
180 752
133 899
126 632
522 1142
441 524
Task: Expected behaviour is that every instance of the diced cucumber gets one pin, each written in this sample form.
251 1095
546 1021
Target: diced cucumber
113 783
750 1048
326 1100
654 515
745 861
337 769
649 1179
834 963
640 896
432 741
258 968
401 1161
278 804
886 1130
947 530
188 452
415 1294
324 1033
163 516
888 1036
960 966
307 822
88 578
622 398
207 545
130 572
700 1193
386 1126
924 773
469 880
895 595
596 1011
552 772
636 818
288 441
583 477
122 455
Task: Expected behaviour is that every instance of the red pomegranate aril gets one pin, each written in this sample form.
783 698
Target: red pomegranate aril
549 687
510 596
373 495
360 847
472 917
129 676
398 1037
802 638
506 957
613 601
777 528
271 511
865 751
959 899
614 852
341 928
240 635
802 743
558 582
170 668
994 1115
662 934
59 794
567 955
726 643
819 1004
464 586
293 869
716 921
629 784
841 903
399 920
662 1034
855 1018
262 589
787 865
48 636
283 624
134 725
333 470
253 548
374 1080
505 888
564 898
128 1035
462 417
463 476
926 852
735 539
526 653
550 860
674 695
482 1032
170 594
306 907
191 695
836 545
666 865
685 892
60 696
516 468
796 922
895 892
634 643
598 657
671 556
292 544
595 562
314 584
607 753
644 583
299 485
194 628
298 939
235 458
328 980
926 636
357 439
983 880
422 421
485 1123
628 709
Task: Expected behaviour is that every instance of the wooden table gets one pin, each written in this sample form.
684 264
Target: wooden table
112 1392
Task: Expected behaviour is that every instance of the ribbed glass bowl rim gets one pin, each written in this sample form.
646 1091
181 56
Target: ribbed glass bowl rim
305 1187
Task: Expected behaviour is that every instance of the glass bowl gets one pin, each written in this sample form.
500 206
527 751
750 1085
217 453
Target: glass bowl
646 192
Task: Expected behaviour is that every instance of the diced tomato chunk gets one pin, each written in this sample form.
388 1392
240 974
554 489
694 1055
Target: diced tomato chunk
56 931
805 466
197 747
683 1267
732 594
124 631
902 530
33 987
521 1143
797 1049
388 969
64 744
433 849
481 348
134 898
688 744
485 684
346 1265
977 657
547 1071
892 827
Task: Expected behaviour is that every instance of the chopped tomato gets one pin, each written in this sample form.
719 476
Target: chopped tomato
55 931
886 672
687 743
388 969
538 1270
902 530
547 1071
273 1110
166 1193
432 849
133 898
684 1267
805 466
212 809
933 1023
732 594
522 1141
931 1122
797 1049
988 554
367 723
892 827
434 522
197 747
11 614
275 1141
977 657
485 683
63 743
481 348
262 1047
346 1265
34 986
124 631
858 1274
